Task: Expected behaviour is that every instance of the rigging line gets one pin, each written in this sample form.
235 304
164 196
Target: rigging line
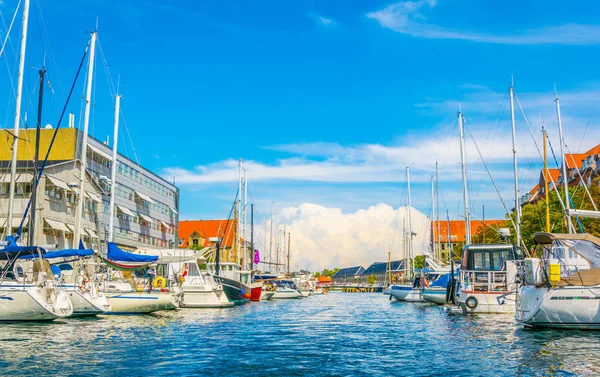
10 27
562 204
20 229
52 58
564 182
12 83
588 123
580 177
489 173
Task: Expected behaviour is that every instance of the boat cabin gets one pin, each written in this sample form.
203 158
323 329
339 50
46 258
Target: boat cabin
489 267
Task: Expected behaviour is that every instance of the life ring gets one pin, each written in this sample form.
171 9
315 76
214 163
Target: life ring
139 287
471 302
159 282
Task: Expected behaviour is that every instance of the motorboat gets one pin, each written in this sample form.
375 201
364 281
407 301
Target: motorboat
29 293
562 288
413 291
199 289
286 289
488 278
237 284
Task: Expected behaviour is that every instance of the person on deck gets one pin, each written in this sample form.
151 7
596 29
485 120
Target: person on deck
151 273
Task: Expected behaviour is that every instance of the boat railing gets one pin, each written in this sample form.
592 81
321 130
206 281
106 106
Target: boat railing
484 280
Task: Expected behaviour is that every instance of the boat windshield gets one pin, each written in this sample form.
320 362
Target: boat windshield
574 254
489 259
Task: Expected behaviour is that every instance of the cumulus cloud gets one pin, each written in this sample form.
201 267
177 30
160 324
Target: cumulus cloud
325 237
408 17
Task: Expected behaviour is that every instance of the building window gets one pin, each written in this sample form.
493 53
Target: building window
195 242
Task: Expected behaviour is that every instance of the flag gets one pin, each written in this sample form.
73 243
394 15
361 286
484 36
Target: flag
256 256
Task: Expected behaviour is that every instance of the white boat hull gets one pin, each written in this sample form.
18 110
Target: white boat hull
573 307
486 303
140 302
87 303
266 295
195 297
436 295
32 304
400 291
286 293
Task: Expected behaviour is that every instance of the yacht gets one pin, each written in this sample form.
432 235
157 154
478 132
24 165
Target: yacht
199 289
29 293
562 288
129 294
73 277
286 289
488 278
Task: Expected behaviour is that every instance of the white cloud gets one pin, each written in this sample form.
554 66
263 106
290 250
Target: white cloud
326 21
324 237
407 17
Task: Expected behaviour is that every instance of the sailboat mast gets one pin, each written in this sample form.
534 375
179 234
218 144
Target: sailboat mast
565 179
36 159
410 228
437 194
239 214
245 219
288 253
13 165
432 238
252 236
546 174
463 162
271 238
515 168
113 174
86 123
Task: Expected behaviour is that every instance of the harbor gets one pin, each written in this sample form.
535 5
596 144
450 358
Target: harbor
280 192
336 334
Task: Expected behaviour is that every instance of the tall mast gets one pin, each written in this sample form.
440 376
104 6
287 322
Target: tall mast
463 162
546 174
239 213
433 251
13 165
245 219
515 168
36 160
113 175
252 236
86 122
271 238
564 164
437 200
410 229
288 254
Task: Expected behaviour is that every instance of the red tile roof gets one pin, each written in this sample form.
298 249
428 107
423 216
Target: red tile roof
534 190
207 228
575 159
593 151
458 229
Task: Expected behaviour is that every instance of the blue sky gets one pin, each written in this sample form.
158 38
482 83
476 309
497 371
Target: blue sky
328 101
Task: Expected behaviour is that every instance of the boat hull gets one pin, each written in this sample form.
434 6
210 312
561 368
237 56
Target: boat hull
286 294
400 291
235 291
29 304
193 297
256 290
436 295
85 304
486 302
266 295
140 302
574 307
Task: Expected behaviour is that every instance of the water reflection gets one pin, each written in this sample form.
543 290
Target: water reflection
336 335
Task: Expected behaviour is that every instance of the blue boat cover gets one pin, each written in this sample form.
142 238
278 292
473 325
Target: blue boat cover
442 281
13 248
69 253
118 255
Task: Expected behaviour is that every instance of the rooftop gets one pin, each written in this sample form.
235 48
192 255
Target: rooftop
207 229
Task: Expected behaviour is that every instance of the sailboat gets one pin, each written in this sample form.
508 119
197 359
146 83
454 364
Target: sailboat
562 288
489 271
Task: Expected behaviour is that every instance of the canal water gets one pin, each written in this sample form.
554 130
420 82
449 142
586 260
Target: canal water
339 334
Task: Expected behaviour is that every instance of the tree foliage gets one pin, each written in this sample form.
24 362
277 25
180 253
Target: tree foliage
372 279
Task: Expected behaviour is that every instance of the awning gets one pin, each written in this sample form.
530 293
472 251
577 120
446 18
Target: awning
21 178
173 210
165 225
57 225
94 197
71 227
91 232
100 152
16 221
125 210
147 218
144 197
58 183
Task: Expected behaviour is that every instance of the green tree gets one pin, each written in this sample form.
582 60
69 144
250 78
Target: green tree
372 279
419 261
317 274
